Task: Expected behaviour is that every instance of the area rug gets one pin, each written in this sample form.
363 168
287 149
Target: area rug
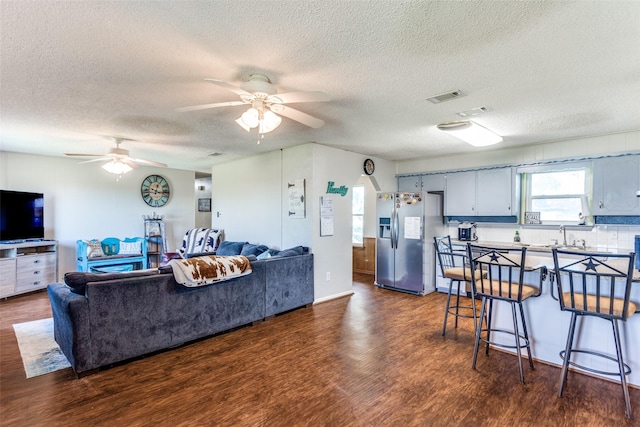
40 353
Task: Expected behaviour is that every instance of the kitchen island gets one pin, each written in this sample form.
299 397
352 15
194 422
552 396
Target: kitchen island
548 326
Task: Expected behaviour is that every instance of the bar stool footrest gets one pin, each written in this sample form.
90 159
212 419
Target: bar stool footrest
461 307
525 342
627 368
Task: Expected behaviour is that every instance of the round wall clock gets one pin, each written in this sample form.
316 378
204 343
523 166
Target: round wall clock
369 167
155 191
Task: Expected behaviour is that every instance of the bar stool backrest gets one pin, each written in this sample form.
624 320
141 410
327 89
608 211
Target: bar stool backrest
595 284
444 250
504 268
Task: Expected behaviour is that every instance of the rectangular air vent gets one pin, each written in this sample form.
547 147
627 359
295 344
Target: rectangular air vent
445 96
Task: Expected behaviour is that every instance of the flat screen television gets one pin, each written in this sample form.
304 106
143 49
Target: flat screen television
21 215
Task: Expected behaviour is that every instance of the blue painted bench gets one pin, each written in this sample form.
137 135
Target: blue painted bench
111 255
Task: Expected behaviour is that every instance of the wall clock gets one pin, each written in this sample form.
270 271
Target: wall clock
369 167
155 191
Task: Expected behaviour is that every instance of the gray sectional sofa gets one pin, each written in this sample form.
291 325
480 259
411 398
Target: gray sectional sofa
103 319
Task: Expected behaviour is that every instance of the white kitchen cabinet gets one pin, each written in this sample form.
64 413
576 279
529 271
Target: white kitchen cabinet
432 182
489 192
410 183
460 194
615 183
495 193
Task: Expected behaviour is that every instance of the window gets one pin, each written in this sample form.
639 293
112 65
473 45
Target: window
561 196
358 216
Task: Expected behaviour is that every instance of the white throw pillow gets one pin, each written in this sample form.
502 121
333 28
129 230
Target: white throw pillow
130 248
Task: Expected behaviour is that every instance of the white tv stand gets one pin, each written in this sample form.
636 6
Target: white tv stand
27 265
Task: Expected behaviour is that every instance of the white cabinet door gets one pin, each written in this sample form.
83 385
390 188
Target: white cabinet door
410 183
495 195
460 194
7 276
433 182
615 183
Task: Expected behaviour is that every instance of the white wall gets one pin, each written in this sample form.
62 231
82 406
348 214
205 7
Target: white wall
251 195
85 202
246 199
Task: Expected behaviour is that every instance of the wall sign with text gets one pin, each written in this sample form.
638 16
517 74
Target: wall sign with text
332 189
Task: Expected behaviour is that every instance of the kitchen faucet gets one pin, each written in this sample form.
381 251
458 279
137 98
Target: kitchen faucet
563 230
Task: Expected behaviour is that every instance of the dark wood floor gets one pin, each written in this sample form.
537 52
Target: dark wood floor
375 358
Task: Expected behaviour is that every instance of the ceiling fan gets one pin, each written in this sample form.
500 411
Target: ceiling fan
118 160
266 105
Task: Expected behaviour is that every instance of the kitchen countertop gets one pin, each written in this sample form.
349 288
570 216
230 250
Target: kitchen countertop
542 249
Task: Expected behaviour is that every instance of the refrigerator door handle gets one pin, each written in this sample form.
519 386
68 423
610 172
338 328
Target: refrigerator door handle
392 227
396 229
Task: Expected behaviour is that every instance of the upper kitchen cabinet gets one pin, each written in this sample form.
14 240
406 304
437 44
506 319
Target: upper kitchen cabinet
433 182
410 183
616 181
460 194
486 193
496 193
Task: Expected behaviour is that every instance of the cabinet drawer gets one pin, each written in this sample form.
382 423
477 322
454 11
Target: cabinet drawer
35 271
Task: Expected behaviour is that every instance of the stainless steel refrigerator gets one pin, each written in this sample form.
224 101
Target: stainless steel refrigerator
406 225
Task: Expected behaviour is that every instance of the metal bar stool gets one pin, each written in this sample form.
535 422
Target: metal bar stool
598 285
503 281
455 267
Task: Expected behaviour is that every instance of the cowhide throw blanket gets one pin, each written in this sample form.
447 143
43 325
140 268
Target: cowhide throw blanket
205 270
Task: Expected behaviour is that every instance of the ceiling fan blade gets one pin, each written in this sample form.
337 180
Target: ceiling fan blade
215 105
83 155
147 162
101 159
297 115
130 162
293 97
229 86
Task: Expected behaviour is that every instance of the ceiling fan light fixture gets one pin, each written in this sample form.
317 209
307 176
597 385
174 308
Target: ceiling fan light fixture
471 133
117 167
269 122
265 121
251 118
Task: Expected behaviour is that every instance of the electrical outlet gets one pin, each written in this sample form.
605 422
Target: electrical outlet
328 276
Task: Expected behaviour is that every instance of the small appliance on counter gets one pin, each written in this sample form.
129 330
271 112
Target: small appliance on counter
467 231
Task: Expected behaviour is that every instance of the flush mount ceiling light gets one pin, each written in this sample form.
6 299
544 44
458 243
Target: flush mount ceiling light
471 133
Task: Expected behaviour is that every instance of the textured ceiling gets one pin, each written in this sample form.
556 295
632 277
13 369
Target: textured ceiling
74 72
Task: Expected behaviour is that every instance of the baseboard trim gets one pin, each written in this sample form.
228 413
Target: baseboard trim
332 297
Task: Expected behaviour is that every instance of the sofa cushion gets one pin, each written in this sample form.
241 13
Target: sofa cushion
251 249
77 280
230 248
296 250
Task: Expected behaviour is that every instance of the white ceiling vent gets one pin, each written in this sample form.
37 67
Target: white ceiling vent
445 96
